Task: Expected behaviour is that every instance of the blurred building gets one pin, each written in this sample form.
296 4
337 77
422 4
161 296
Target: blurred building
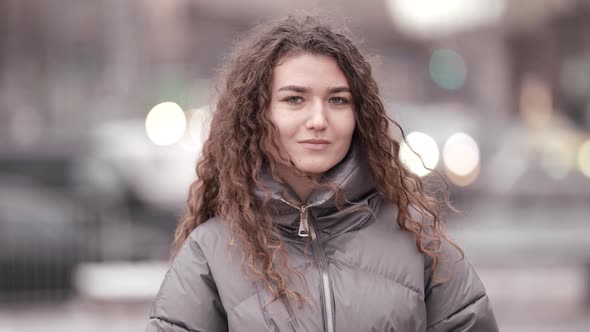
502 86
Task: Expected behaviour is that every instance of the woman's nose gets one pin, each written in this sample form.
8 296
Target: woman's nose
317 117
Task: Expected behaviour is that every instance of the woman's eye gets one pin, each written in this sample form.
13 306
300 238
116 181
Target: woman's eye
339 100
293 100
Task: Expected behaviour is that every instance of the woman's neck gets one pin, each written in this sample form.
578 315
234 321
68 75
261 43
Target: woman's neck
301 185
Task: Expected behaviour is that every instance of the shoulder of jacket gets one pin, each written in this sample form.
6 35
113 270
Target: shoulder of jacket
210 233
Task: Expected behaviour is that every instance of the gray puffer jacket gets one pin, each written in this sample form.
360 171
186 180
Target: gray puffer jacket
366 274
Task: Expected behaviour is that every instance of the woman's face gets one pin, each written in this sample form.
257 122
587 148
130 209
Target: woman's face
312 107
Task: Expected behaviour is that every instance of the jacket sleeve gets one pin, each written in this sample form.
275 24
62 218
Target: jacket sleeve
188 299
458 302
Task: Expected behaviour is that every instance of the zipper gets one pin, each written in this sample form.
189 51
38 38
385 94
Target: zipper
307 228
325 280
303 223
303 215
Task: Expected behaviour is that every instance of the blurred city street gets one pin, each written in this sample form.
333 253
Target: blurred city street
522 313
105 105
528 293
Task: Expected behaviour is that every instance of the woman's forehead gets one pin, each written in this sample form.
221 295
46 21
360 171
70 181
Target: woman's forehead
308 71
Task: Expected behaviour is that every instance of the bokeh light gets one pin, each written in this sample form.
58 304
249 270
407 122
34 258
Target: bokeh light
434 18
461 154
557 158
424 146
447 69
583 158
199 124
165 123
463 180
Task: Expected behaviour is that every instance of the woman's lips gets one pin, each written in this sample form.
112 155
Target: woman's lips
315 144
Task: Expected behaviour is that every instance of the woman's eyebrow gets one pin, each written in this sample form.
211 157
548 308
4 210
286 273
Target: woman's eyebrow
339 89
295 88
303 89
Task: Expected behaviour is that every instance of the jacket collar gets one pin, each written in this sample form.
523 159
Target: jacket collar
352 175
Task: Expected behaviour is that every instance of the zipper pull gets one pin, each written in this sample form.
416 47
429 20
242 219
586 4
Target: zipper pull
303 227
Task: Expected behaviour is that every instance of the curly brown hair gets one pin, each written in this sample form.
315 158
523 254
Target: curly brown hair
242 136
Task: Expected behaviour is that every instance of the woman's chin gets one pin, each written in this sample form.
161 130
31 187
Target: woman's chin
313 169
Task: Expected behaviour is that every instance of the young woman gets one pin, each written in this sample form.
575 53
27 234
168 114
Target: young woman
303 218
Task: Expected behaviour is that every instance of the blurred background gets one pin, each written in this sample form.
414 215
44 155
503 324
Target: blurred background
104 105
